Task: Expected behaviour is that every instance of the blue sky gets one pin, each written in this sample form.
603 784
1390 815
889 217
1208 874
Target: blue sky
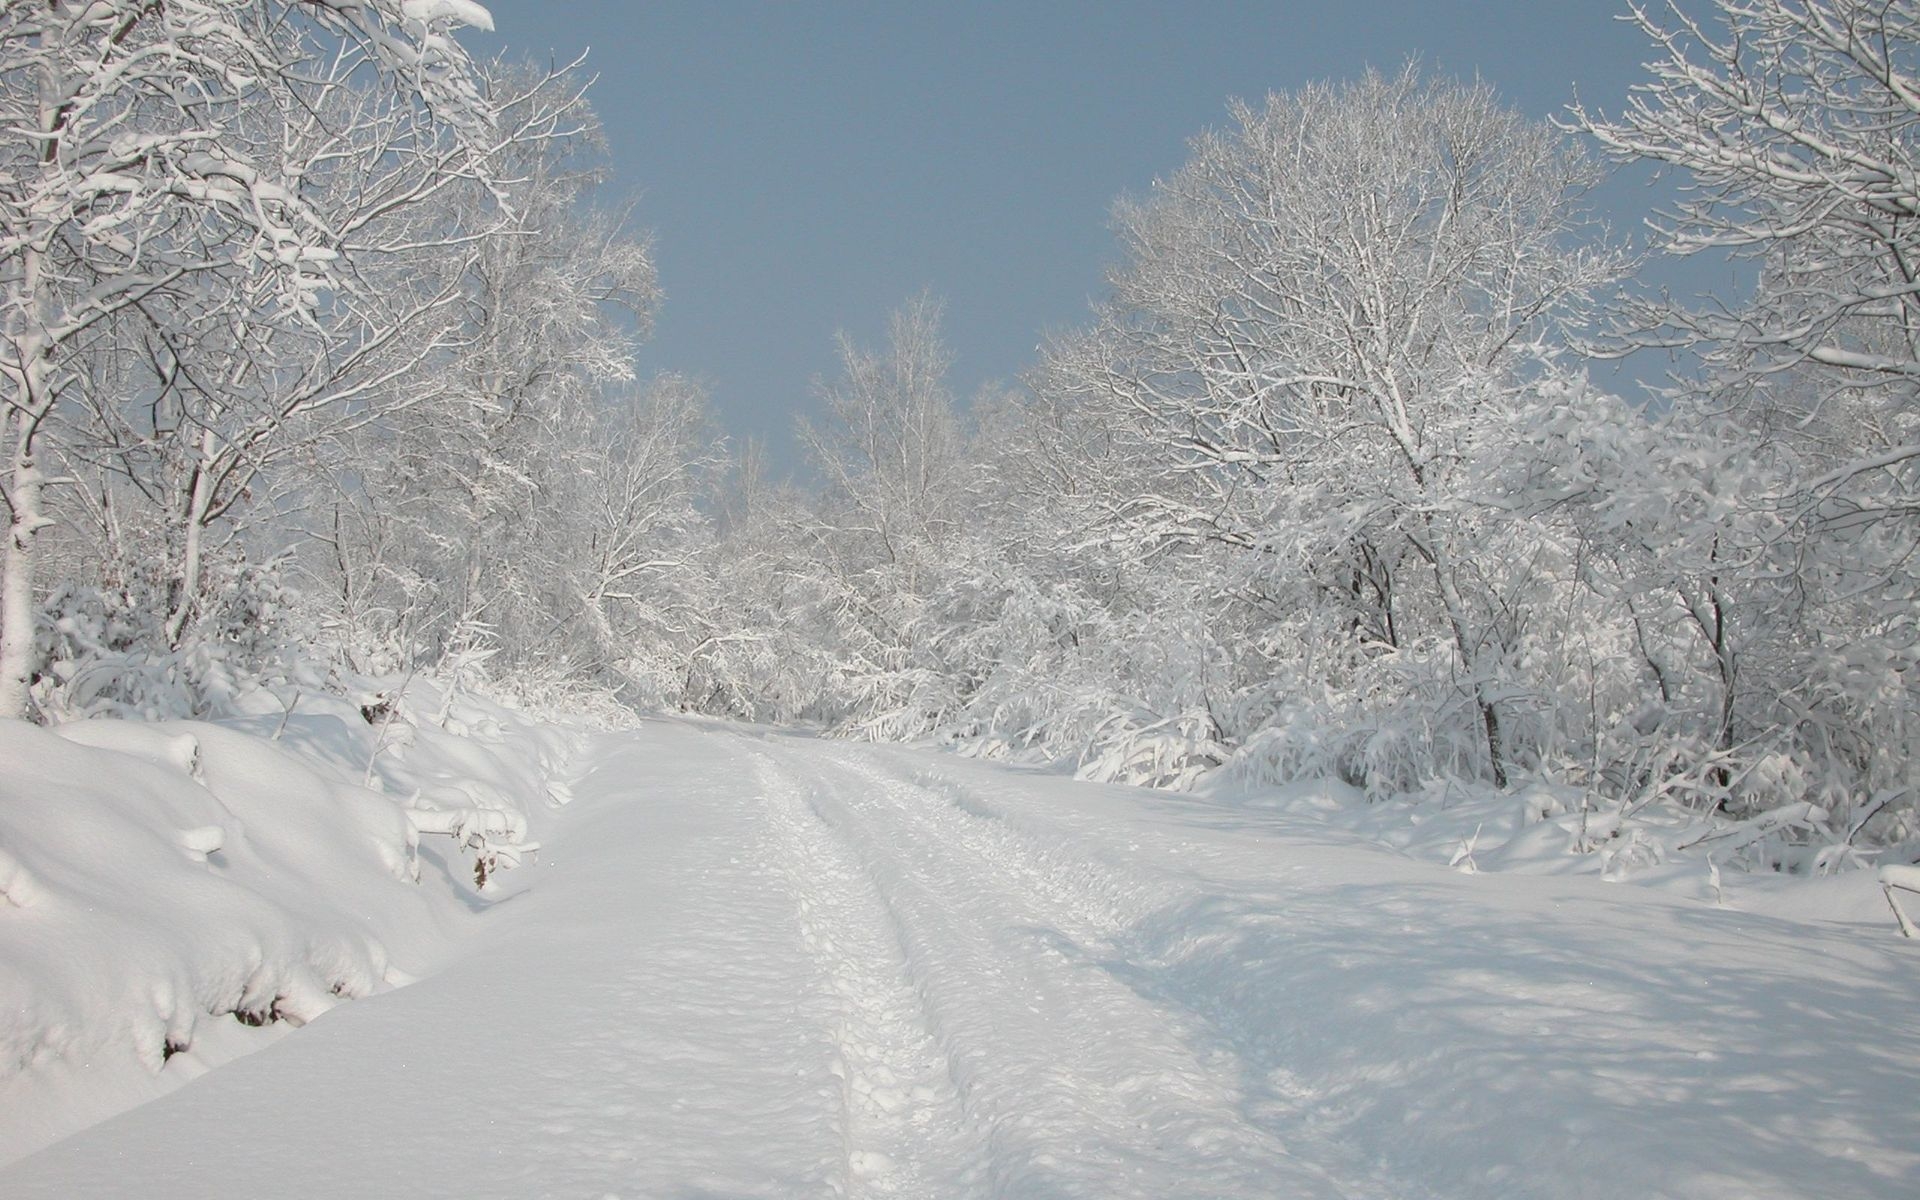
806 168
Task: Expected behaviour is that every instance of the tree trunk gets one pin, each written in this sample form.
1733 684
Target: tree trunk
16 567
30 405
1470 656
199 502
30 313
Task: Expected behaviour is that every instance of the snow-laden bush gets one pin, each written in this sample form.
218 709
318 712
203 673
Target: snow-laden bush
1400 721
1129 691
106 652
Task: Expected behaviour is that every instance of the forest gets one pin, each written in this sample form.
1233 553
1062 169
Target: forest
317 343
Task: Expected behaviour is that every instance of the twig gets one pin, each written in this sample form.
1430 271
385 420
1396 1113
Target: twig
380 742
286 714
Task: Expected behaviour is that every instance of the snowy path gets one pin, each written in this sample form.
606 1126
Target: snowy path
768 967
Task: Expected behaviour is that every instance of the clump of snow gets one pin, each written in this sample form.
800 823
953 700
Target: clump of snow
175 891
460 12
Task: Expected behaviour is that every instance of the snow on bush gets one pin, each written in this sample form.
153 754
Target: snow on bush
167 884
105 651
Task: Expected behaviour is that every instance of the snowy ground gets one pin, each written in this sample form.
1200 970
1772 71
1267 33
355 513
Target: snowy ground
752 965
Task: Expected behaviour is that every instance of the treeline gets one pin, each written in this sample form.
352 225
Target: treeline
1320 490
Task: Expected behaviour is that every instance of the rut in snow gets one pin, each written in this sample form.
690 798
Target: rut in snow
1081 1086
902 1123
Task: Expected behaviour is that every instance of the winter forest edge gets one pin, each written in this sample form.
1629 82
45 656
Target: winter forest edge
318 356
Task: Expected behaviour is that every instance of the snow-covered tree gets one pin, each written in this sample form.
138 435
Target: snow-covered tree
154 157
624 538
446 490
1797 125
1316 317
1794 123
890 454
889 446
1794 126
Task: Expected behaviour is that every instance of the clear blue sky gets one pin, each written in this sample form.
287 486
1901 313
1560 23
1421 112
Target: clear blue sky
807 168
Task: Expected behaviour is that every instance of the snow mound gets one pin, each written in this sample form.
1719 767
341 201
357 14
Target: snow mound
177 893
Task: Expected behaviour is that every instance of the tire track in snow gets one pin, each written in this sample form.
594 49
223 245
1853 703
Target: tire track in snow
1086 895
1083 1086
903 1128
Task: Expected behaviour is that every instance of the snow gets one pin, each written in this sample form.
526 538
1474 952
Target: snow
177 888
1537 830
1895 875
756 964
460 12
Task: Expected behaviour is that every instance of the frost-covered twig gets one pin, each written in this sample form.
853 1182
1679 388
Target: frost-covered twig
1879 802
1747 832
392 706
1463 857
286 714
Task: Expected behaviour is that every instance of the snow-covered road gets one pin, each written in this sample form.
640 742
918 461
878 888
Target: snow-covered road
766 966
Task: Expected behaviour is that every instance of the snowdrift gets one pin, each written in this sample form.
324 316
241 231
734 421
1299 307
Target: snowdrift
177 893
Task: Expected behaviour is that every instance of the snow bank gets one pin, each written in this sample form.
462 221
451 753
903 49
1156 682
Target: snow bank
1787 862
177 893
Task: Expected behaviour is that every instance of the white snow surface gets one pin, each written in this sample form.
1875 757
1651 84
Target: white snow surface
162 880
749 964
